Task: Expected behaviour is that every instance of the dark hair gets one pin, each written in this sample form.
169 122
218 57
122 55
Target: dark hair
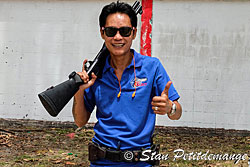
118 7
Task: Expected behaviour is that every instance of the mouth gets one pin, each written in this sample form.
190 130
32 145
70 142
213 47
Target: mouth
118 45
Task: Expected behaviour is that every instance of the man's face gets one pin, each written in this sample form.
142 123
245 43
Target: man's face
118 45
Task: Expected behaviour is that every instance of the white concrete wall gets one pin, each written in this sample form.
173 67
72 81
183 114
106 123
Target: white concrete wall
41 43
203 45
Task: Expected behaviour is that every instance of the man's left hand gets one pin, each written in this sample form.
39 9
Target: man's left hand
161 104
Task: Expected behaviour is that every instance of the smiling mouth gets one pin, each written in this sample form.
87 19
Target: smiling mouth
118 45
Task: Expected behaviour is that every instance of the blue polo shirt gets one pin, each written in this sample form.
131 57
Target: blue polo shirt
127 122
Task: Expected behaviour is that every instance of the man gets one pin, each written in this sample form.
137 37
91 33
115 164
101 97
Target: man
132 90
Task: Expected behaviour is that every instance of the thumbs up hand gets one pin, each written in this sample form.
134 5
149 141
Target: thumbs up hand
161 104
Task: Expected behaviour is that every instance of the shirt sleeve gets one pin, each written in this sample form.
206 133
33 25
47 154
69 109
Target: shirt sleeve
160 81
89 99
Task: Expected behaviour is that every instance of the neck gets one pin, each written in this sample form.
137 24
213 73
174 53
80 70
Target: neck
121 62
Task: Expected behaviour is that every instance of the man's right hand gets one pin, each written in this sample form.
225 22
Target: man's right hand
84 76
81 115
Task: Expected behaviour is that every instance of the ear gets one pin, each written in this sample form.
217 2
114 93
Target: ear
102 32
134 33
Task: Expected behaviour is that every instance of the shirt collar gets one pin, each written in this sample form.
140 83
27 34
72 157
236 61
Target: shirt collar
138 61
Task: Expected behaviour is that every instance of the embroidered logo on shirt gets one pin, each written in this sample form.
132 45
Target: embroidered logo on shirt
137 82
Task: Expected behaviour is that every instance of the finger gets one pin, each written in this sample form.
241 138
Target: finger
158 109
165 91
93 75
158 99
86 76
159 104
80 74
92 81
83 76
155 108
84 62
159 112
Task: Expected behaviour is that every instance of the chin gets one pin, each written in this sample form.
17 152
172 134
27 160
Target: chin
120 52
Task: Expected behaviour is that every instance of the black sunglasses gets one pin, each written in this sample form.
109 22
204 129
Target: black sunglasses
112 31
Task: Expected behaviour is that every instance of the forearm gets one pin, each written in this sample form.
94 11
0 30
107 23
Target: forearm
81 115
178 112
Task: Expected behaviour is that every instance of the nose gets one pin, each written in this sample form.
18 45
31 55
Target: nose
117 36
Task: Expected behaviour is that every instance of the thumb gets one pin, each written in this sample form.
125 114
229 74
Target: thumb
165 91
92 81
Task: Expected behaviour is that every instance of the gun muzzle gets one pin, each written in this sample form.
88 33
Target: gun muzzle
55 98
